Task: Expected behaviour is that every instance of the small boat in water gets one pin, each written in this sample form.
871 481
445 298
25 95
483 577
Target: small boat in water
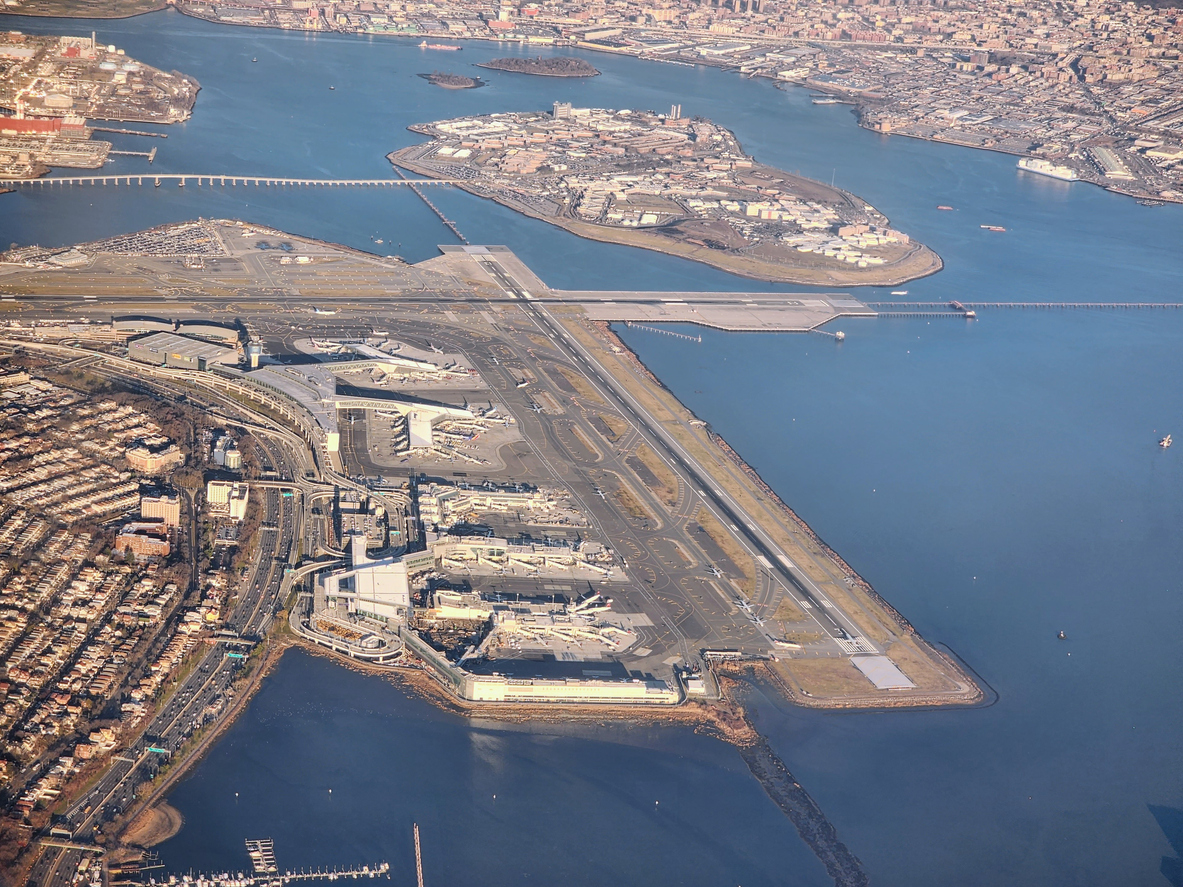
254 60
946 208
992 227
1062 636
899 292
1165 442
156 183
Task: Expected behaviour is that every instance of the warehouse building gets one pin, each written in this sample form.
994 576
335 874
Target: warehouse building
170 350
214 332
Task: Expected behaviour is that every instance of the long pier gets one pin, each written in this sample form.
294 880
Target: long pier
655 329
448 223
131 132
217 181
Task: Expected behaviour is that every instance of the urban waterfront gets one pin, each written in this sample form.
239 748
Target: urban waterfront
997 482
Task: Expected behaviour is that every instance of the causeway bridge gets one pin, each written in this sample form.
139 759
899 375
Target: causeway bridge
183 180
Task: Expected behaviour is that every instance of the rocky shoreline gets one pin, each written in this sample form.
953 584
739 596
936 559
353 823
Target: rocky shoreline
726 720
558 66
452 81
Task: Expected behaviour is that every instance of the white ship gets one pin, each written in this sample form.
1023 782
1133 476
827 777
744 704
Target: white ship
1045 168
1165 442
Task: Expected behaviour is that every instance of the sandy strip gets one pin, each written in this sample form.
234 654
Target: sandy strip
154 826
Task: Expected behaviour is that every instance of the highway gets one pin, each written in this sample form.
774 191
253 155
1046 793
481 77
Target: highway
196 701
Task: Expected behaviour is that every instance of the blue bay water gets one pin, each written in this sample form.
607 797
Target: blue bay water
996 481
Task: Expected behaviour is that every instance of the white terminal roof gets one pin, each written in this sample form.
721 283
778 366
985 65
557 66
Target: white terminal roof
314 386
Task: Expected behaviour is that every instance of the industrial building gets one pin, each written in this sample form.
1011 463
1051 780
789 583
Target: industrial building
170 350
214 332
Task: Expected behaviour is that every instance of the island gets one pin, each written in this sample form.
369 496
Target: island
557 66
1094 91
673 184
86 8
54 83
452 81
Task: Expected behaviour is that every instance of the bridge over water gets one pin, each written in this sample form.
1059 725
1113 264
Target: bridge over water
183 180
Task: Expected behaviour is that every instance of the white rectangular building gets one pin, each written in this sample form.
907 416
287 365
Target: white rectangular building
227 498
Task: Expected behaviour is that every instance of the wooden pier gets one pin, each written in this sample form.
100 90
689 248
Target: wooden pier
655 329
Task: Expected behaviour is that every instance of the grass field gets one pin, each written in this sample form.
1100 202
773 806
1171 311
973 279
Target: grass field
582 386
631 504
667 481
730 547
824 677
788 611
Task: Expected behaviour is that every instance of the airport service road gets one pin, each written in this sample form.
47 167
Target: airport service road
836 623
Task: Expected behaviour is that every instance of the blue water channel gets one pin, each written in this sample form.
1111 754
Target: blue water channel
996 481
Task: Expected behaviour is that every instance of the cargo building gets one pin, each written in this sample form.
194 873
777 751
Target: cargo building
170 350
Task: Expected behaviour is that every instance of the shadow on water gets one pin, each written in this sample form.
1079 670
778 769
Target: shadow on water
1170 820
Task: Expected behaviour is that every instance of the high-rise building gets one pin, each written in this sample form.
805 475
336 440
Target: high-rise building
161 507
